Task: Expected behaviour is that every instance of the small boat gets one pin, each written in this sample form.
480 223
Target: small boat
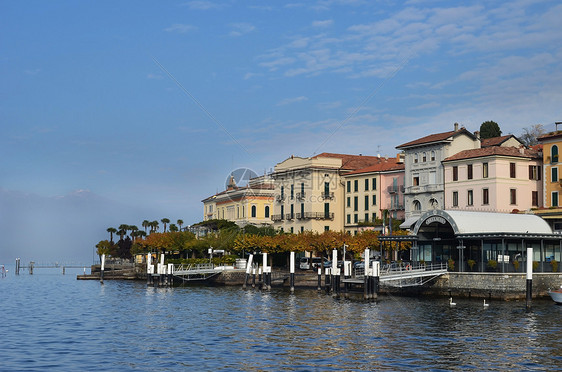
556 295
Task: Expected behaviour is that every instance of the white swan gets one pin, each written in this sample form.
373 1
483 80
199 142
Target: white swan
485 304
451 303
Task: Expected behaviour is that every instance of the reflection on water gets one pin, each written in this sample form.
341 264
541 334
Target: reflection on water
55 322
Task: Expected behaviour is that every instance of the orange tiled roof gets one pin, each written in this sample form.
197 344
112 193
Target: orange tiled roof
550 135
495 150
495 141
384 165
435 138
351 162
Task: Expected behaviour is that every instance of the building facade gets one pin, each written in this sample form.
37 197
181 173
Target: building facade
552 181
309 195
249 205
494 179
424 182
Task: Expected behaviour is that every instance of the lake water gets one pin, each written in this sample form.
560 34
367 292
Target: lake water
54 322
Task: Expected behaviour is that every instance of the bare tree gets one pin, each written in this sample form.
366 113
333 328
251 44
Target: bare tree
530 134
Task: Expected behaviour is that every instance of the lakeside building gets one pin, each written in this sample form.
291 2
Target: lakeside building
369 191
249 205
310 192
496 178
552 181
424 183
494 242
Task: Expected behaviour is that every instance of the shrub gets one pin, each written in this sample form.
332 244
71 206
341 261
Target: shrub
535 265
451 264
554 264
471 264
516 265
492 264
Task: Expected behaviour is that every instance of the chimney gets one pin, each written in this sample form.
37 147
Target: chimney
399 158
522 150
477 134
456 126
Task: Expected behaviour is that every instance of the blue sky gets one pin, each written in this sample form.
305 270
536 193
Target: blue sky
145 107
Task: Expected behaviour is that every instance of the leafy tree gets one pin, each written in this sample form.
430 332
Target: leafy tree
217 224
103 247
530 134
490 129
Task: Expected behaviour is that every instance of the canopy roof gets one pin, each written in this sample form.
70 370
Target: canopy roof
464 222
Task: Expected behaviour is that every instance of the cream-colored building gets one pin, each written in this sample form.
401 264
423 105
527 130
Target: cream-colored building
249 205
309 192
371 190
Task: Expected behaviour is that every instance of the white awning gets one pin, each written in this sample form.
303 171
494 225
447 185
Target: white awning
409 223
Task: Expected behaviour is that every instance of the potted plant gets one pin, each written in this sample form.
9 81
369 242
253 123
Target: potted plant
492 264
516 265
451 264
471 264
535 265
554 264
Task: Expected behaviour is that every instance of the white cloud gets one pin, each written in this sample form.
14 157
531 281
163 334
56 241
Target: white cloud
180 28
240 29
288 101
322 24
204 5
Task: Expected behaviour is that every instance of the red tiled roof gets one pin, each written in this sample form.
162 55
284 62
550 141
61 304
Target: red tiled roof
496 141
382 166
550 135
434 138
495 150
351 162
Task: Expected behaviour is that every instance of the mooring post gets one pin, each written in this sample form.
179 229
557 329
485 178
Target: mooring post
264 264
529 278
319 278
148 268
376 278
17 266
327 280
248 268
63 269
366 281
171 275
31 264
292 271
346 275
260 275
102 267
334 270
254 277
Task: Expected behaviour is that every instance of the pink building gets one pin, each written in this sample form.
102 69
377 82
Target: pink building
494 179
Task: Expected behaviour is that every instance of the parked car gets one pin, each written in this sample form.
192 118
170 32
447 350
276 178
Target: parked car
304 263
317 262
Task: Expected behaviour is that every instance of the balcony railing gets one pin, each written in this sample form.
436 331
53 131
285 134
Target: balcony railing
396 207
318 215
290 216
327 195
393 189
301 195
277 217
425 188
279 198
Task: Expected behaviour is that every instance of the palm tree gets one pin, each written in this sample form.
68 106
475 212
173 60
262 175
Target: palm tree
154 226
165 221
145 224
111 231
173 227
123 230
180 222
133 229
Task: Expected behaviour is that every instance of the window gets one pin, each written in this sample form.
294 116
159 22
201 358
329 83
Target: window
292 191
374 217
455 173
292 211
267 211
292 229
374 184
348 202
424 157
326 210
554 154
374 200
554 200
366 184
355 203
326 228
282 212
455 198
366 202
535 172
512 170
356 185
348 218
355 218
327 189
554 174
470 197
433 156
302 190
417 205
416 180
535 198
302 229
366 217
469 171
253 211
485 196
302 210
484 170
282 192
348 186
512 196
416 157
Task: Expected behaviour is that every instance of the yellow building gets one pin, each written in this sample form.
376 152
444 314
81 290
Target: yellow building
249 205
552 181
309 193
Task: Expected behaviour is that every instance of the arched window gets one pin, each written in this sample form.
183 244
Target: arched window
253 211
424 157
417 205
433 156
433 203
267 211
554 154
416 157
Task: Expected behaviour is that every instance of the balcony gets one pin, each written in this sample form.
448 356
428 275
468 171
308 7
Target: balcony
425 188
396 207
290 216
327 195
318 216
301 195
279 198
394 189
277 217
